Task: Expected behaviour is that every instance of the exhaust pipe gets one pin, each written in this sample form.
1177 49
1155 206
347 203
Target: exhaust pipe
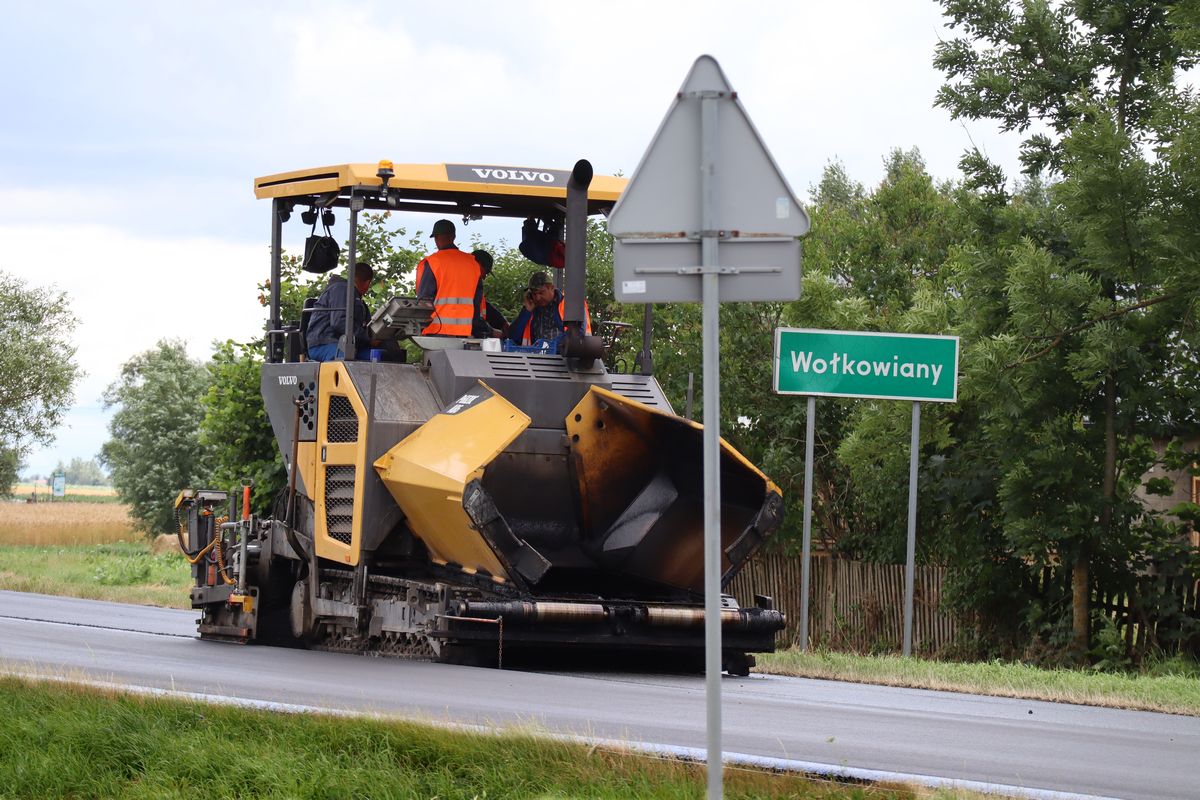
578 345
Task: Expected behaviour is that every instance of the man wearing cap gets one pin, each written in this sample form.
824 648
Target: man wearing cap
492 316
454 281
542 314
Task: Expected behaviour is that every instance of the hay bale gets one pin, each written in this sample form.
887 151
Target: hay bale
166 543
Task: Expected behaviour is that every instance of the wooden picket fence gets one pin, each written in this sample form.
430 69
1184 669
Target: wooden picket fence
1154 612
855 606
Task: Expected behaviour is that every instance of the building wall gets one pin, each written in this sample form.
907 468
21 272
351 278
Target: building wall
1187 487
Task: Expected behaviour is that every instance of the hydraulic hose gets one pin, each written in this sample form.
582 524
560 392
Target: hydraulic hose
221 557
291 508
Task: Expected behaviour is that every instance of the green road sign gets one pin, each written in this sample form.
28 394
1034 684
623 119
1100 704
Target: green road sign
887 366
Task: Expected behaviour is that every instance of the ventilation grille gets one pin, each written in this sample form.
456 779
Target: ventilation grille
339 502
343 422
523 365
636 390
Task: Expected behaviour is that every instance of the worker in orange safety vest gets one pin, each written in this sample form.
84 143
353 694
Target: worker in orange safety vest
453 280
542 314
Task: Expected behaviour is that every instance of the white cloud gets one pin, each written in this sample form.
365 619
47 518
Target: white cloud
129 145
128 292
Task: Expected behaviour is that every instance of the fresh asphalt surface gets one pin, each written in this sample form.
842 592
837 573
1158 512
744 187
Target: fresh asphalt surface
1016 743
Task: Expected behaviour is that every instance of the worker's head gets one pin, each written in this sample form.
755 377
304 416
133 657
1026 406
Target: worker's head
443 233
541 289
363 276
485 261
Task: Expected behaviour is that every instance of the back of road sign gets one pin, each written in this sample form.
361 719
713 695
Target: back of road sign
657 221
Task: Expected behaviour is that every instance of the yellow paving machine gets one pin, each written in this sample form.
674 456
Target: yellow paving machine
484 503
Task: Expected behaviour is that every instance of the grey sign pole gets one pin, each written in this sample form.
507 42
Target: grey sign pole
712 440
910 558
806 557
707 149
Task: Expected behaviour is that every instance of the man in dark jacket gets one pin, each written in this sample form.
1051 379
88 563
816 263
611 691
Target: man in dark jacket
541 316
497 325
327 323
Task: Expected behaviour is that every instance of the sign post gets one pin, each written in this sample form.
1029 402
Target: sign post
806 550
888 366
60 484
708 202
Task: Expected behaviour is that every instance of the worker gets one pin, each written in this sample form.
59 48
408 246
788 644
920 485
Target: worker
327 325
453 280
542 314
492 316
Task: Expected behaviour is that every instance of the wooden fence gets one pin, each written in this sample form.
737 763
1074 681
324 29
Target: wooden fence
859 607
855 606
1154 612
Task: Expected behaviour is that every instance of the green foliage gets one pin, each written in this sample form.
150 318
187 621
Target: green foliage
235 433
10 468
37 369
82 473
155 447
1076 301
1037 62
393 257
1109 653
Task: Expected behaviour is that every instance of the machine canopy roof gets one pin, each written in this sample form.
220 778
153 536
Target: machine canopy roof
468 189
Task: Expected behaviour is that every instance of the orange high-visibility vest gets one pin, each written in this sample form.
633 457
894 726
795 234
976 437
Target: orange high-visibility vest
562 305
458 275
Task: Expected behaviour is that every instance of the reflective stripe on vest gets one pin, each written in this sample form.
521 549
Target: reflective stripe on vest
457 275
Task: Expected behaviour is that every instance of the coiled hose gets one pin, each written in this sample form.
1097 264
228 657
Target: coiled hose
215 544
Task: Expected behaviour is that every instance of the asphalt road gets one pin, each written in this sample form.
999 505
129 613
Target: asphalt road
1014 743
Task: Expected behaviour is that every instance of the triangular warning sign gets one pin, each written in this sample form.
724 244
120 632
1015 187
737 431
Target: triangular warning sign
752 213
750 193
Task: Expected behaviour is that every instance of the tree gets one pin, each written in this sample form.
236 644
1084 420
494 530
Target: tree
10 468
1089 334
235 433
37 369
82 473
155 448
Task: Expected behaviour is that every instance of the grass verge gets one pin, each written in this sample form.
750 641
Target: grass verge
64 741
125 572
1175 688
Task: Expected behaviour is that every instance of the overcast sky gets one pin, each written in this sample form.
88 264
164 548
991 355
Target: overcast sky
130 132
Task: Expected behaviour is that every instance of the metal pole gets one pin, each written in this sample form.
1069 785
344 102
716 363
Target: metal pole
806 557
356 203
712 442
910 558
644 363
276 259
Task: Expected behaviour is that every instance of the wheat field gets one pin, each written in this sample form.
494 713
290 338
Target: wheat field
51 524
24 490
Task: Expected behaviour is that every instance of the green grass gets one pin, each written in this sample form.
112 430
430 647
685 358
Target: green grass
62 741
1172 686
125 572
